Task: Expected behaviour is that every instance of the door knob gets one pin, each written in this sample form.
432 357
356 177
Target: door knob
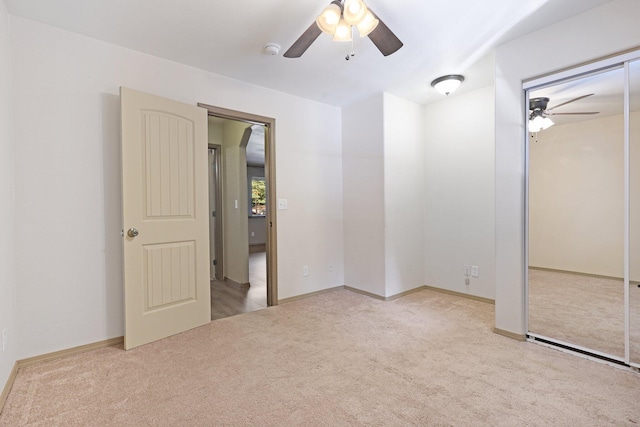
132 232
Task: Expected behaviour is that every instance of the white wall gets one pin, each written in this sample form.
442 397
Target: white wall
68 209
459 192
257 230
364 180
576 196
214 128
235 221
7 278
597 33
404 183
383 144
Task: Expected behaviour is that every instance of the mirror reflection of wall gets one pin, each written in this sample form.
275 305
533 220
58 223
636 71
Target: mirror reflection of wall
576 215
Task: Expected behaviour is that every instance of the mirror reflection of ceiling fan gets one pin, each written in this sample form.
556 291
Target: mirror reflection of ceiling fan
340 19
539 113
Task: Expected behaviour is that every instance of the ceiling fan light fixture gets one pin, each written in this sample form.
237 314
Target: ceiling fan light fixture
447 84
329 19
538 122
343 32
368 24
354 11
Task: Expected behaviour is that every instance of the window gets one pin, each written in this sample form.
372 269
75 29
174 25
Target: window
258 196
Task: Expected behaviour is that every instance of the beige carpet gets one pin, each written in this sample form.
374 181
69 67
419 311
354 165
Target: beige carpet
337 359
583 310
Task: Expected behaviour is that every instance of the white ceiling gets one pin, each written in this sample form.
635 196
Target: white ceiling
227 37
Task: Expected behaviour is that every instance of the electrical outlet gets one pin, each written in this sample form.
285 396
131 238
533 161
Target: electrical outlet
467 270
305 270
475 271
4 340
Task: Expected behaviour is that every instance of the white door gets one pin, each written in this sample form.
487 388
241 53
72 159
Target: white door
165 217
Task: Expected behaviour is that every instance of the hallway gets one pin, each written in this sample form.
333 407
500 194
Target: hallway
230 299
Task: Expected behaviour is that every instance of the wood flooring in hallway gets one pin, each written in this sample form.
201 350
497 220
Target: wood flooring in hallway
230 299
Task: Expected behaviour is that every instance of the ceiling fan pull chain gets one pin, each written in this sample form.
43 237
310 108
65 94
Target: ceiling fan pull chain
352 52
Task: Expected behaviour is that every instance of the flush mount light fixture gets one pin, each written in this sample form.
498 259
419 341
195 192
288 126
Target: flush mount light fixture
447 84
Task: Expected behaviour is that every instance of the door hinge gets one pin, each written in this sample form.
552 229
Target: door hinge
215 262
213 214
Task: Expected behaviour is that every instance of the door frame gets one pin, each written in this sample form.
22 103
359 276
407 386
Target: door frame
270 175
219 275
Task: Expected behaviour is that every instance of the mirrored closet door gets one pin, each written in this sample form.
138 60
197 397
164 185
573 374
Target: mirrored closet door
583 209
576 212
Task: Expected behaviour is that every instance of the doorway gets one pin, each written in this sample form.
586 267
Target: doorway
242 193
583 192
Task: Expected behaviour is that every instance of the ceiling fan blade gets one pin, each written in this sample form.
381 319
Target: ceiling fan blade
304 41
569 101
573 114
384 39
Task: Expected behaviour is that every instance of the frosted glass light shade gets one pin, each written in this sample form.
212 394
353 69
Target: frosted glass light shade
539 123
354 11
329 19
368 24
447 84
343 32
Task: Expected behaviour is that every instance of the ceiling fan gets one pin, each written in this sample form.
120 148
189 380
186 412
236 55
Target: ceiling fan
539 113
338 20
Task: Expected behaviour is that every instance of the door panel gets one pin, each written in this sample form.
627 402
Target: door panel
165 198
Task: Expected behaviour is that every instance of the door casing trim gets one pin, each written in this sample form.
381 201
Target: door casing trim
219 212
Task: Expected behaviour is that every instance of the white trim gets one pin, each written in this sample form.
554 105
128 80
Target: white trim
627 207
527 158
581 71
